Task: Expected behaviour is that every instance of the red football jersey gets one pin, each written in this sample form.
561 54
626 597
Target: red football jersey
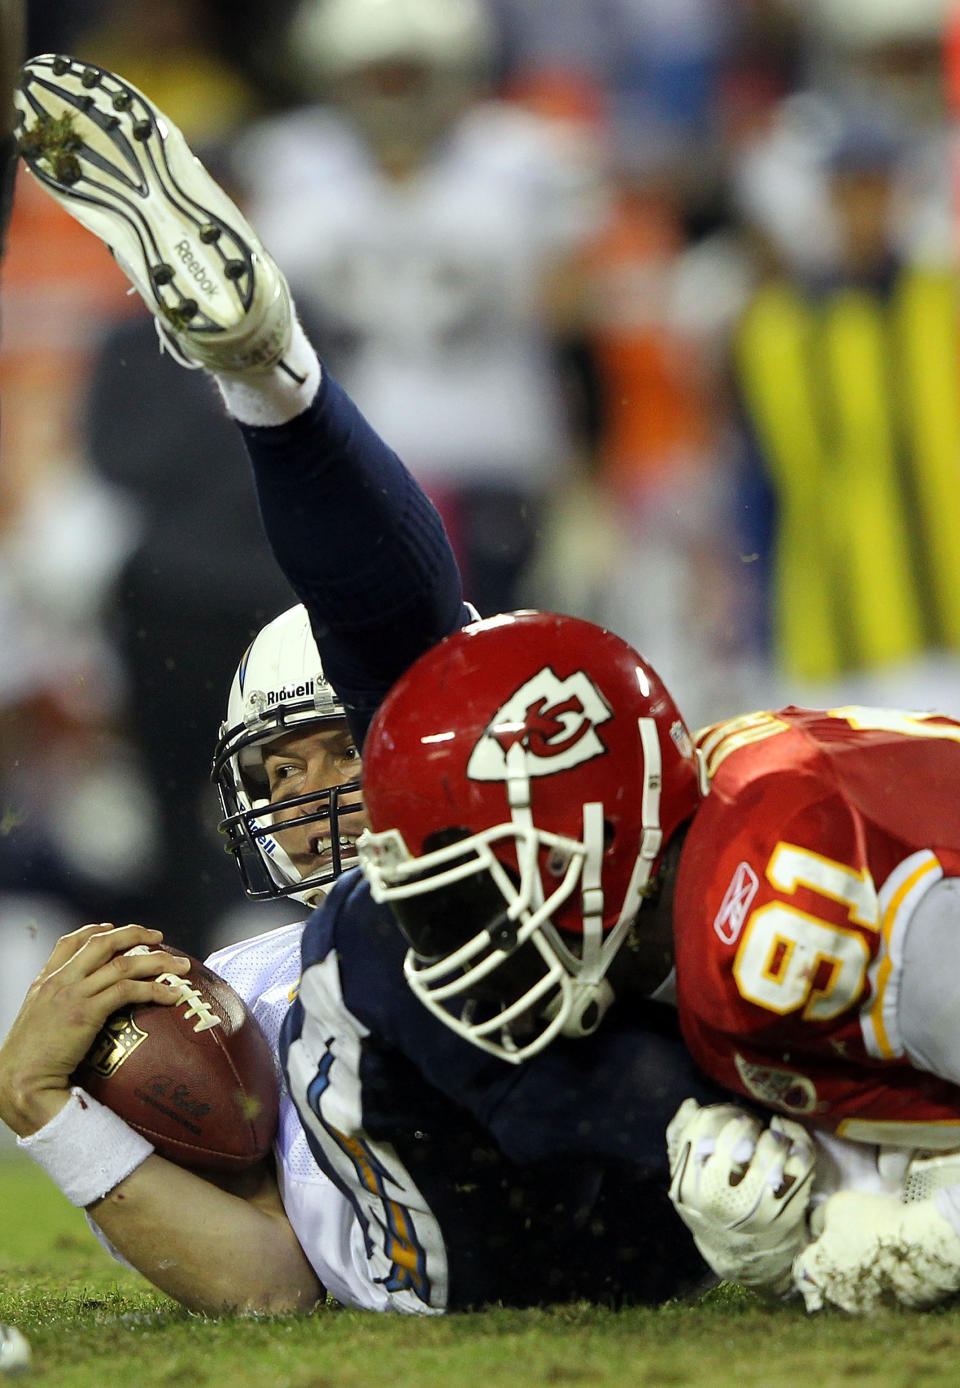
821 833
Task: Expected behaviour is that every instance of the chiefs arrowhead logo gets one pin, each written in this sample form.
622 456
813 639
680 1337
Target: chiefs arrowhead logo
554 721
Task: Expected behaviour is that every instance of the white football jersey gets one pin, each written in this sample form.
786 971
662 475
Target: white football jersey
265 971
434 283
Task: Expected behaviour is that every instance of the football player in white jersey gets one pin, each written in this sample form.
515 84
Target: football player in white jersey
284 757
284 738
283 730
444 267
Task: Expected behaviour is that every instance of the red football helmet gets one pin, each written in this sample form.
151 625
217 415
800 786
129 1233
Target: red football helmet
522 780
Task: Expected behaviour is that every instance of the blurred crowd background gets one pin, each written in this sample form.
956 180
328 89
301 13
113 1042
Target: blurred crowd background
657 297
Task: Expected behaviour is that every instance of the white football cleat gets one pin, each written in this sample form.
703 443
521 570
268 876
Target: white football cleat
124 171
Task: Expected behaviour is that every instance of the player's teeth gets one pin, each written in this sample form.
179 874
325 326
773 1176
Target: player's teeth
324 845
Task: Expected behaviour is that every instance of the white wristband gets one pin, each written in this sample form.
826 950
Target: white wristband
86 1149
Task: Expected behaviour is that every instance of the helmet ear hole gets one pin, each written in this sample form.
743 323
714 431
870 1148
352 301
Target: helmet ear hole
609 835
253 776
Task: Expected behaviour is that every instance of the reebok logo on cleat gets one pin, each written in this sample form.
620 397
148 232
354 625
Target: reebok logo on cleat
194 267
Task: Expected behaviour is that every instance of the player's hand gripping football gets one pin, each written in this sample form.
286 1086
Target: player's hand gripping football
89 975
742 1189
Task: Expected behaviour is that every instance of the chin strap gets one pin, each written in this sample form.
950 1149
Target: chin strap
591 1002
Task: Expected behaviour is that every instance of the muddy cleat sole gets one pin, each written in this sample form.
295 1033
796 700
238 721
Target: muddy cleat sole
126 173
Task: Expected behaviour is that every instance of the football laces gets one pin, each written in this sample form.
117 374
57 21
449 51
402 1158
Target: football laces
196 1004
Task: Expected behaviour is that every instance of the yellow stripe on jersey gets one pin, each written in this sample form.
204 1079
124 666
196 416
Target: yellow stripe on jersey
940 1134
716 742
400 1244
899 897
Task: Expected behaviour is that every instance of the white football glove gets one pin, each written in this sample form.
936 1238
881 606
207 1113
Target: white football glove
742 1190
875 1251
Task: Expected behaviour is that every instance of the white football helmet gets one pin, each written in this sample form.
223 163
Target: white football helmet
340 36
446 47
860 24
280 688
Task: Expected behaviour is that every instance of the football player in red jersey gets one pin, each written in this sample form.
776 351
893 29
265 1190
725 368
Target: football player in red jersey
808 896
799 868
813 915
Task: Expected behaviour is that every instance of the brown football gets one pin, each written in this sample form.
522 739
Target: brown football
197 1078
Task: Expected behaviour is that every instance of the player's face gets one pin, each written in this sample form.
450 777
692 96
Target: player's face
299 764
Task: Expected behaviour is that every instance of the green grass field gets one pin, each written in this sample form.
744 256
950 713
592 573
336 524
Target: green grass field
93 1324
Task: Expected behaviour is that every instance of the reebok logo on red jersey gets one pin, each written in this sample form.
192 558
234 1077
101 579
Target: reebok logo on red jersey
554 720
728 921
